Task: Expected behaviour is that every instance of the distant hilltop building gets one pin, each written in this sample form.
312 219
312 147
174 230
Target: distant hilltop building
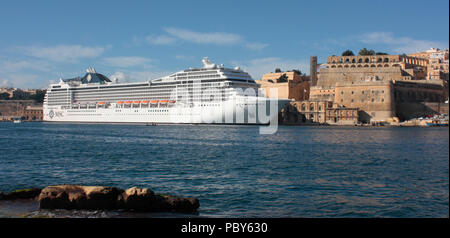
437 67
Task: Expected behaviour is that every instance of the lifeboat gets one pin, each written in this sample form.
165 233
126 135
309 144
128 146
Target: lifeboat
164 101
172 101
119 102
101 103
145 102
128 102
137 102
154 101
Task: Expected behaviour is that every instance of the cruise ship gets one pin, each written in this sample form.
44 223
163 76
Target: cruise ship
211 94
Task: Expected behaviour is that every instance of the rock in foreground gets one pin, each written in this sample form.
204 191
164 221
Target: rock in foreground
111 198
21 194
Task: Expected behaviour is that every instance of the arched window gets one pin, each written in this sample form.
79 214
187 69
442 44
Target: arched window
386 60
366 60
311 107
360 60
353 60
303 107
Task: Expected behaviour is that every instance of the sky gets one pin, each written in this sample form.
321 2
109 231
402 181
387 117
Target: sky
42 41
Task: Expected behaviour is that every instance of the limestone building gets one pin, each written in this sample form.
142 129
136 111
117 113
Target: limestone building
289 84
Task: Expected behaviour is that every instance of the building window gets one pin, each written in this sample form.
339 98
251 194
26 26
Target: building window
311 107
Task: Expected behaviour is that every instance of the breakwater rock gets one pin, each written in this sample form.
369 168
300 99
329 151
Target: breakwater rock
21 194
111 198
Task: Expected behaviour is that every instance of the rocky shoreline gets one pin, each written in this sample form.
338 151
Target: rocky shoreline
102 198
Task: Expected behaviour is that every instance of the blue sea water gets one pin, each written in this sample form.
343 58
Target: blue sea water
236 172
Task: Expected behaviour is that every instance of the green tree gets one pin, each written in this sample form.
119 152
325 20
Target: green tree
365 51
39 96
297 71
282 79
381 53
20 95
4 96
348 53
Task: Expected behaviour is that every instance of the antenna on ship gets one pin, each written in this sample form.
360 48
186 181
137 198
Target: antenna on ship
90 70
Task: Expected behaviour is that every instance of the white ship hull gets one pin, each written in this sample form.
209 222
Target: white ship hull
229 112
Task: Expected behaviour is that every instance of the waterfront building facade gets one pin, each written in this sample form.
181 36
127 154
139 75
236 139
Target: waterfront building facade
33 113
319 112
25 109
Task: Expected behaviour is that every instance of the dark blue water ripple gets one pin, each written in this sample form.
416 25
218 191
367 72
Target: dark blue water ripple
234 171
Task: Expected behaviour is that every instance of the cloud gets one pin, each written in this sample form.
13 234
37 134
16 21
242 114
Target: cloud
118 75
379 41
218 38
184 57
257 67
5 83
128 61
256 46
399 44
63 53
15 66
174 35
160 40
22 81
